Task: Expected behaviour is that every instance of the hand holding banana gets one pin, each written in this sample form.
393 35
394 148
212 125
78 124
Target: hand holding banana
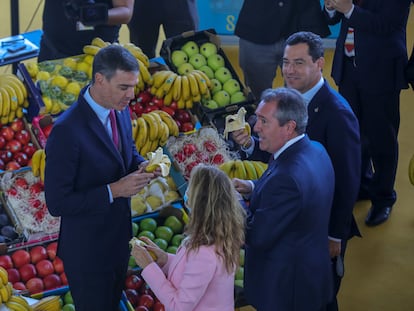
131 184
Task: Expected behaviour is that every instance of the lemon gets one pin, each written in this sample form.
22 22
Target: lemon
73 88
59 81
88 59
48 103
70 62
32 69
43 75
82 66
55 108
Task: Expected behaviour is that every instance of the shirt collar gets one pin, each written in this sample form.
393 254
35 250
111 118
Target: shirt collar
307 96
100 111
287 144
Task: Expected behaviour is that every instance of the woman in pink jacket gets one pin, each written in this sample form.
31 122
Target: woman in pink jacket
200 277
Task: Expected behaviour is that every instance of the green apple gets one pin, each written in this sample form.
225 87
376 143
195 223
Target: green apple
179 57
240 273
231 86
222 74
237 97
177 239
190 48
222 98
197 60
217 86
208 49
208 71
215 61
135 228
241 258
185 68
211 104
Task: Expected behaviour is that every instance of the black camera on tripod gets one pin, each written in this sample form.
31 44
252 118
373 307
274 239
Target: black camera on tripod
87 12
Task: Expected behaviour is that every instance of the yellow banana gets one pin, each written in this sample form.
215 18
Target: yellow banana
6 103
145 148
152 126
14 101
12 115
250 170
188 103
4 293
168 98
204 77
154 145
137 53
134 125
159 77
91 49
181 103
168 83
185 87
167 119
158 120
19 93
260 168
240 170
14 306
165 134
201 82
4 276
20 300
144 73
99 42
227 167
50 303
194 90
177 88
142 135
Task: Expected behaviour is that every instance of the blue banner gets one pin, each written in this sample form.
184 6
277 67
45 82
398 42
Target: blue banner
222 16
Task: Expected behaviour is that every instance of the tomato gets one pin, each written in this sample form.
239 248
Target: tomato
189 149
7 133
187 127
22 136
150 108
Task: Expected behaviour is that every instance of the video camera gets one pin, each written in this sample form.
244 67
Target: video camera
87 12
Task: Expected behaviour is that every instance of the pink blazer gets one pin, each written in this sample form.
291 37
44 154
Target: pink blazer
192 282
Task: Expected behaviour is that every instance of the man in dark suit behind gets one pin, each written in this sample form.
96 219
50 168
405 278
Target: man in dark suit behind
368 67
334 125
89 181
287 265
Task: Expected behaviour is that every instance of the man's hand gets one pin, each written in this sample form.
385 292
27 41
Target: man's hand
242 137
242 186
131 184
343 6
334 248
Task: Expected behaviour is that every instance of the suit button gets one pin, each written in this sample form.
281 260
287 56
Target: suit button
281 4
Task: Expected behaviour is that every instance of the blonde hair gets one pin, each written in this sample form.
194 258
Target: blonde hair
217 217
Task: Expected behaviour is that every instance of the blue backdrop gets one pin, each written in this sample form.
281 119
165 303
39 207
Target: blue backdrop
222 16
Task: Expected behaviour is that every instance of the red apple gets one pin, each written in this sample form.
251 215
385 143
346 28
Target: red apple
13 145
186 127
159 102
133 296
146 300
158 306
6 262
17 125
52 281
36 188
2 142
19 286
63 278
44 267
14 275
38 253
182 116
20 258
7 133
134 281
2 165
27 272
21 158
22 136
58 265
6 156
51 250
35 285
12 166
29 149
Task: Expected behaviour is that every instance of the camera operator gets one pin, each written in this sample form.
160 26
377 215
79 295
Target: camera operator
68 25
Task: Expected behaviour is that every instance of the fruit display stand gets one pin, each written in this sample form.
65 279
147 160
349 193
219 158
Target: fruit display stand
218 70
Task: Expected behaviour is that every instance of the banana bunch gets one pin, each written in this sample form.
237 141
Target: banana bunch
145 77
13 98
18 303
38 164
50 303
158 159
244 169
152 130
184 89
5 286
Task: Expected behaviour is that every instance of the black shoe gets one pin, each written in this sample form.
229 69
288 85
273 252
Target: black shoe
377 215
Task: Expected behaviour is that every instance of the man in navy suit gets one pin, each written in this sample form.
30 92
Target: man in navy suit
287 265
334 125
368 67
89 181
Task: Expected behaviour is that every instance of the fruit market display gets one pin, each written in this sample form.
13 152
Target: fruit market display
205 57
38 163
159 192
24 194
13 98
204 146
243 169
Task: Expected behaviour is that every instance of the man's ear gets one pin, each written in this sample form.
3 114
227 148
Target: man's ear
291 126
